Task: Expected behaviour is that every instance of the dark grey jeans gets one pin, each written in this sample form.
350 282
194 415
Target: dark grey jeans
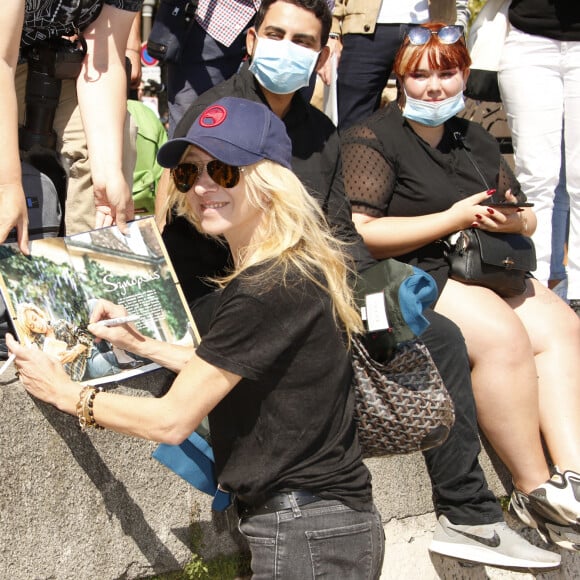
460 490
325 539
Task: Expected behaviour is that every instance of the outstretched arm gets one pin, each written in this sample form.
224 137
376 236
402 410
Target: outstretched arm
102 95
13 211
198 388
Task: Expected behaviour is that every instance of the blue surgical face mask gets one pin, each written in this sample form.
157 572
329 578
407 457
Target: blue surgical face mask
433 113
281 66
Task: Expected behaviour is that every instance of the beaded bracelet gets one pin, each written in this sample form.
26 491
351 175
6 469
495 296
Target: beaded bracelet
84 407
79 408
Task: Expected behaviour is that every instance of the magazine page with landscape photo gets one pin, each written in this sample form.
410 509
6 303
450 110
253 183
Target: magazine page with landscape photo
50 294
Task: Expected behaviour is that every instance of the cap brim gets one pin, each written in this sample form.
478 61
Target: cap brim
170 154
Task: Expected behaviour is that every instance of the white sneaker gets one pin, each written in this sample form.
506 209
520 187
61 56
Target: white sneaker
548 509
560 497
489 544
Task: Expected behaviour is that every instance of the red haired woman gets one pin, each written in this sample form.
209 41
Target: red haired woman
415 174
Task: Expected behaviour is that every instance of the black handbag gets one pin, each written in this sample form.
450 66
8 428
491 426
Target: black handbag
401 406
498 261
170 29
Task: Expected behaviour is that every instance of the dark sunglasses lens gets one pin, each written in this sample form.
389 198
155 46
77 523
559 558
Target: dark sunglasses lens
184 176
449 34
223 174
419 35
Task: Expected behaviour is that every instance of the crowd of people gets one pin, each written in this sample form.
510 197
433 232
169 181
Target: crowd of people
269 212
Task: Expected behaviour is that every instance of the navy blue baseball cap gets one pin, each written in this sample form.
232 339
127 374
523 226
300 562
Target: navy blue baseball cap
236 131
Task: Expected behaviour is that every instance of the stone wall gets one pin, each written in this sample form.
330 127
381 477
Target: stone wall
95 505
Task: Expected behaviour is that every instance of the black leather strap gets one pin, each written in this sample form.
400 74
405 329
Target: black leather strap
277 502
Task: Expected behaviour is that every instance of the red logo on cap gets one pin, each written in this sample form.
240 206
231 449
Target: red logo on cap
213 116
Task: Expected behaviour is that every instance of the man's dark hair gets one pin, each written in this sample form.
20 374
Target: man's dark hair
319 8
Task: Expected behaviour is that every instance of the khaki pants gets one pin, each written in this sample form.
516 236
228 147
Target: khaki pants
71 143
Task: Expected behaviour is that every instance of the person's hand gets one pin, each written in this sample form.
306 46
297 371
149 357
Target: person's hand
325 72
113 202
105 310
42 375
14 214
469 212
124 336
500 218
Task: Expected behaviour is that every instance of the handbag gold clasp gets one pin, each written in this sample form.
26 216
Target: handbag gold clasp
508 263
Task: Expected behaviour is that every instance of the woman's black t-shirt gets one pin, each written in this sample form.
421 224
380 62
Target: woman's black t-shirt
390 171
288 424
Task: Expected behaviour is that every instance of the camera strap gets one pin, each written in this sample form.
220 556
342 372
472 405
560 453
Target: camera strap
76 18
77 33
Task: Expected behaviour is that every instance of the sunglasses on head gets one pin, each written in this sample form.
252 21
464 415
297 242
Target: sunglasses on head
186 174
419 35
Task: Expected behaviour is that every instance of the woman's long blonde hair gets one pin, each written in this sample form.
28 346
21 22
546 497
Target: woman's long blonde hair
293 232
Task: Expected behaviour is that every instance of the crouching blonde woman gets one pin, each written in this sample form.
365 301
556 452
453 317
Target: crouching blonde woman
273 371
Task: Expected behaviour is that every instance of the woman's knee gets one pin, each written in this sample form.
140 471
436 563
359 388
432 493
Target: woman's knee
549 320
492 335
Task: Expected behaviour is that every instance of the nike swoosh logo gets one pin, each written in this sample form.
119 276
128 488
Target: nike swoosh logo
492 542
555 529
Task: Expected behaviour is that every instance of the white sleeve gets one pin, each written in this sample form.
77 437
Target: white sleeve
463 13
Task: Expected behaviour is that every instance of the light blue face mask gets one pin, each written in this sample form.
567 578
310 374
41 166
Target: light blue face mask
281 66
433 113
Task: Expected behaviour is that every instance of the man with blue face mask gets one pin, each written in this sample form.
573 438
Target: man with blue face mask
281 66
288 37
274 77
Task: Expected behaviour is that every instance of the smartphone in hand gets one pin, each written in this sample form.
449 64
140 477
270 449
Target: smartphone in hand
498 200
508 204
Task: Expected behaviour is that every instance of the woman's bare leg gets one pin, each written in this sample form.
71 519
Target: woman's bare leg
554 330
504 378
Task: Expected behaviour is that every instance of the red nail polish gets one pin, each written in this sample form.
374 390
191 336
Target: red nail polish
474 225
490 210
478 216
491 191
